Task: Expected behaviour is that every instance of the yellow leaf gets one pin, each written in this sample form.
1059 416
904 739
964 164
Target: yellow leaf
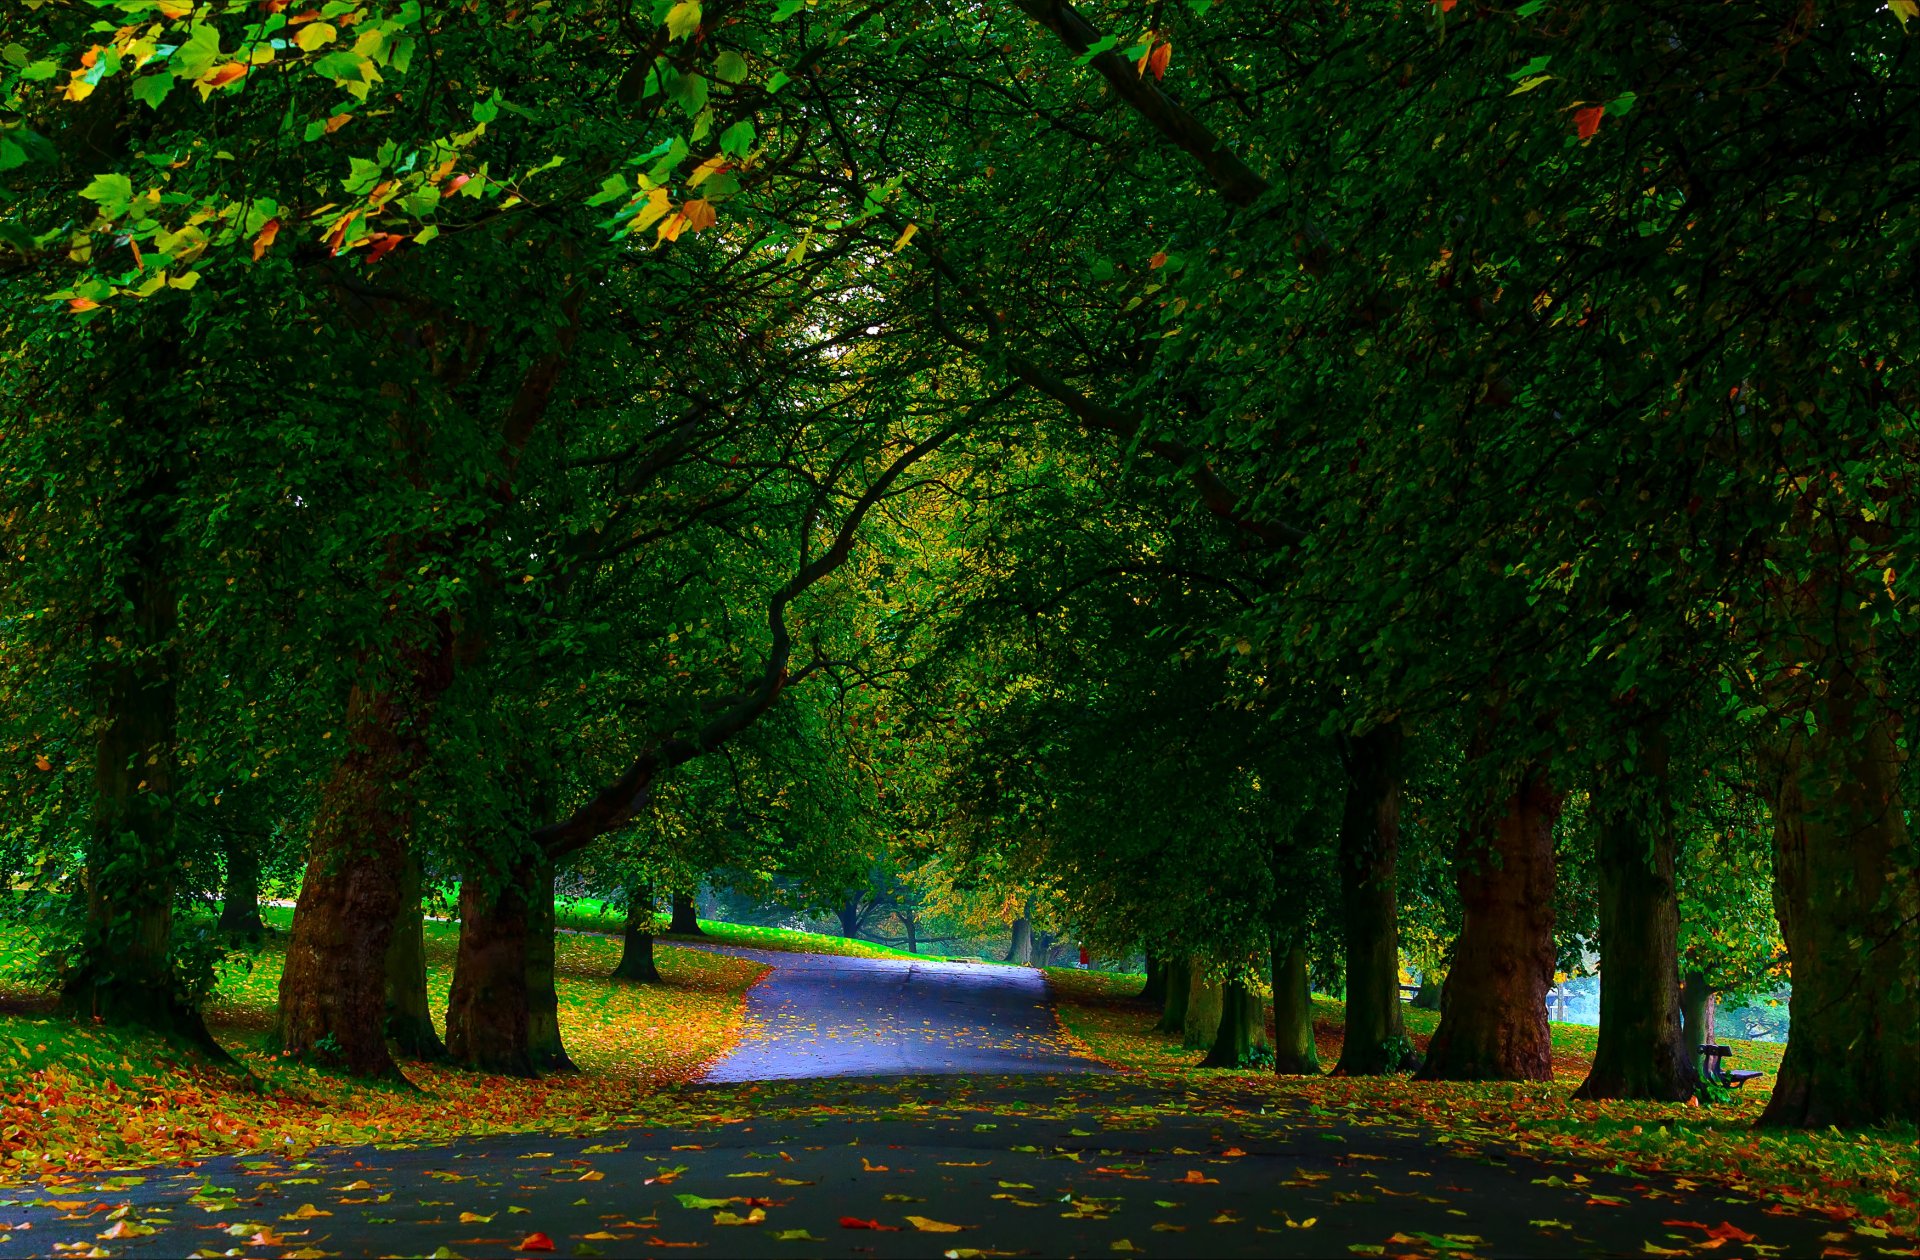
305 1212
927 1225
658 203
729 1218
1905 10
683 19
900 242
476 1218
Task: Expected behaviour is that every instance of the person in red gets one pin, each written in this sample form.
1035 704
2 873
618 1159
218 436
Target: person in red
1086 959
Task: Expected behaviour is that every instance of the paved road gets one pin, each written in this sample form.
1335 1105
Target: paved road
817 1015
1016 1162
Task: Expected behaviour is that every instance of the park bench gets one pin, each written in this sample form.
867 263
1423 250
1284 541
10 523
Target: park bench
1712 1068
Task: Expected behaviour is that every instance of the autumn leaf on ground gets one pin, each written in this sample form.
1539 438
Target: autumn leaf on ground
854 1222
535 1242
305 1212
1195 1177
476 1218
753 1217
698 1201
794 1235
928 1225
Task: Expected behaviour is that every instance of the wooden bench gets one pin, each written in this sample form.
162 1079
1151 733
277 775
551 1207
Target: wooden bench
1713 1069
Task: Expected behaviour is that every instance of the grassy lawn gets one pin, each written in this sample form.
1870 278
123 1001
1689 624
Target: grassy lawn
585 914
76 1099
1870 1178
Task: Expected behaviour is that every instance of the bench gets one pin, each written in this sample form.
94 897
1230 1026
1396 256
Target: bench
1713 1069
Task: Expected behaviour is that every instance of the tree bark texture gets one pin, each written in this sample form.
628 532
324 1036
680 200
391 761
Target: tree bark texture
1202 1023
1847 895
1642 1049
1155 989
333 991
409 1016
1376 1037
1173 1015
240 892
685 921
1493 1014
636 940
1696 1015
850 919
1020 953
543 994
489 1011
1294 1052
1241 1039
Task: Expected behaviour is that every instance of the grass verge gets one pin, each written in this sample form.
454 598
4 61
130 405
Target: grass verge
76 1099
1869 1179
586 914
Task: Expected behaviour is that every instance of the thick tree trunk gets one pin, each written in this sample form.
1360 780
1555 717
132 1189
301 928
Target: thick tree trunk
1427 996
489 1018
1043 949
1021 952
636 941
409 1017
1642 1049
850 919
1696 1015
124 969
1173 1016
1241 1039
1155 990
543 995
685 921
1294 1052
1493 1014
1204 1000
1376 1036
333 991
240 894
1847 894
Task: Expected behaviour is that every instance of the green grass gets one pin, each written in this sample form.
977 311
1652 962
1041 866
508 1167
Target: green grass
587 914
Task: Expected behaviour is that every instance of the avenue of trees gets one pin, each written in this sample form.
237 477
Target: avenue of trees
1288 488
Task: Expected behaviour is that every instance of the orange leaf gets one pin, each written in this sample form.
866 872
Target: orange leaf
82 304
41 762
1158 58
1587 121
222 75
699 214
1727 1229
263 242
535 1242
380 244
1195 1177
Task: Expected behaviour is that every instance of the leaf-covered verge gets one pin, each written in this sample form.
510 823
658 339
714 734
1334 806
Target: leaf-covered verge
1865 1179
590 914
79 1099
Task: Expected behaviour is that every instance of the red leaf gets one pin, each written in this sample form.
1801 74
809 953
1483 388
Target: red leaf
535 1242
1687 1224
263 242
381 244
854 1222
1158 58
1727 1229
1587 121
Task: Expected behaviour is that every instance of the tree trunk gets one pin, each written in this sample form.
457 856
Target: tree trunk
1043 949
1427 996
1294 1052
409 1017
1204 1001
1847 894
1642 1049
1241 1039
489 1020
1173 1016
1021 953
849 919
333 991
636 941
1493 1013
124 970
1376 1036
1155 990
240 896
685 921
1696 1015
543 996
911 926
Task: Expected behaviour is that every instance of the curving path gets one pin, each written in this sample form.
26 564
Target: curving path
818 1015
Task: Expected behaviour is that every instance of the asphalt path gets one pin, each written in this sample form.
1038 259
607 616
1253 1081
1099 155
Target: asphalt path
817 1015
961 1165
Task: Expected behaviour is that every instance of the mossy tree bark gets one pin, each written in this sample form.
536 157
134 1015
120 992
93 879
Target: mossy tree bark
1376 1038
1642 1050
1696 1000
636 939
489 1019
1493 1014
1240 1041
409 1017
1294 1052
1202 1023
1173 1015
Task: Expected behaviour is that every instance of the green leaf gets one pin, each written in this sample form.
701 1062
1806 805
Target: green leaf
14 54
730 67
779 80
787 8
697 1202
1621 104
152 89
113 193
737 140
1094 49
362 175
683 19
40 71
1530 8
